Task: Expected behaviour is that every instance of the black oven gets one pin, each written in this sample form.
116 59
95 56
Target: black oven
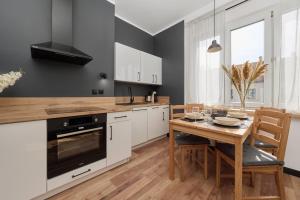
74 142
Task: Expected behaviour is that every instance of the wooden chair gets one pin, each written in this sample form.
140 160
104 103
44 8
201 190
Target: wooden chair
189 145
264 145
256 160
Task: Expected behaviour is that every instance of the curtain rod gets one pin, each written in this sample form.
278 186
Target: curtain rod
236 5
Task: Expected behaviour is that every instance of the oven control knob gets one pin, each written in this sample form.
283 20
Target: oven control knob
96 119
65 124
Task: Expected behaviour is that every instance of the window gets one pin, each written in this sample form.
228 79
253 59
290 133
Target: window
247 44
248 39
204 81
288 81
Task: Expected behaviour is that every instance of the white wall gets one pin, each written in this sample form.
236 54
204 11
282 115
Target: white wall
293 148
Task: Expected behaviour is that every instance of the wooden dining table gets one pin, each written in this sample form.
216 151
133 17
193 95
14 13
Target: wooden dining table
231 135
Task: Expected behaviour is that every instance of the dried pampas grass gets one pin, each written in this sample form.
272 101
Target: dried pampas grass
243 77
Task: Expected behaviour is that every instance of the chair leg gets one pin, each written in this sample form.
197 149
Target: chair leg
205 162
181 168
252 179
218 168
194 152
280 184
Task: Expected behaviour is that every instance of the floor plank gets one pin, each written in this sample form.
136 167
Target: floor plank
145 177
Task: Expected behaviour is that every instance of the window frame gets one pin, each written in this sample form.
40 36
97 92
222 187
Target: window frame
255 17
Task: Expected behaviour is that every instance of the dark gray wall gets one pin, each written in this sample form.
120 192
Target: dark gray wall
27 22
131 36
169 45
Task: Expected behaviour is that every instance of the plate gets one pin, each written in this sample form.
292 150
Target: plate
226 121
238 115
241 118
194 116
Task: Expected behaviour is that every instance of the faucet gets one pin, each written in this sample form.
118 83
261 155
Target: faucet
152 96
130 94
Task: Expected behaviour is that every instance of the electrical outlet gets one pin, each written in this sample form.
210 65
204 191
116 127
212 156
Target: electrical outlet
100 91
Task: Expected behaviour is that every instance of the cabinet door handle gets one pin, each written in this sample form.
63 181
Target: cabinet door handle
139 76
139 110
121 117
163 116
155 107
152 78
74 176
111 133
155 78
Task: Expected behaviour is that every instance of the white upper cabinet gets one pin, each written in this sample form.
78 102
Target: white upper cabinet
132 65
23 150
127 64
151 69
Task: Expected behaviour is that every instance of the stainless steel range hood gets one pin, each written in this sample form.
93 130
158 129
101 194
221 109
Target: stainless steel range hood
61 47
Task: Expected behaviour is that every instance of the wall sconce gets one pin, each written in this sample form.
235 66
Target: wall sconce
102 76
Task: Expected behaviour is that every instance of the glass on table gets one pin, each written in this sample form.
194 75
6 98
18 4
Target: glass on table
195 112
207 114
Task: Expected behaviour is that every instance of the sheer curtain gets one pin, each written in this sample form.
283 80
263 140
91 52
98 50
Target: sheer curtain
287 81
203 74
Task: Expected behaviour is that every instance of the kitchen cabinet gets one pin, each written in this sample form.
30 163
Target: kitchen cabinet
23 160
151 67
75 174
139 126
154 122
158 123
132 65
165 121
118 137
127 63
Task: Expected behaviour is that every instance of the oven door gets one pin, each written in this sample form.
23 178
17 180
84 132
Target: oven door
72 150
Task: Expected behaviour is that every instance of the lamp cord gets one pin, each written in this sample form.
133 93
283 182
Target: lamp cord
214 19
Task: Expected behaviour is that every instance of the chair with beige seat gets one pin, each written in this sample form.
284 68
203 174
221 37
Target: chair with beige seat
189 145
256 160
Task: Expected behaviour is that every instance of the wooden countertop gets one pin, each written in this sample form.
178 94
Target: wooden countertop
24 112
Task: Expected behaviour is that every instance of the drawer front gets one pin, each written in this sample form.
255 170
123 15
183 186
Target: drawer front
75 174
118 117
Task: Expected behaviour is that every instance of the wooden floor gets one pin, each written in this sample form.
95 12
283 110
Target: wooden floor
146 177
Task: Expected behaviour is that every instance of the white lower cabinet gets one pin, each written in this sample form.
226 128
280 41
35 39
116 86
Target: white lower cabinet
23 150
158 121
154 122
139 126
75 174
165 121
118 137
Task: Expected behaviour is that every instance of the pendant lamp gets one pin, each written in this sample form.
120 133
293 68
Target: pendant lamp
214 47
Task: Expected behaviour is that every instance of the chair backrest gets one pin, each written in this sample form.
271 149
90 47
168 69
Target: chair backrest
270 119
178 111
189 107
279 131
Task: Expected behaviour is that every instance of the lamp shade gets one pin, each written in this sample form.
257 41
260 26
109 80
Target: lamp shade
214 47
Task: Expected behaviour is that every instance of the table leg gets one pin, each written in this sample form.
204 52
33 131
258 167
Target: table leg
238 190
171 153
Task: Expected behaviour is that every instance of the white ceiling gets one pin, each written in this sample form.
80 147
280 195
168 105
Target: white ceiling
154 16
